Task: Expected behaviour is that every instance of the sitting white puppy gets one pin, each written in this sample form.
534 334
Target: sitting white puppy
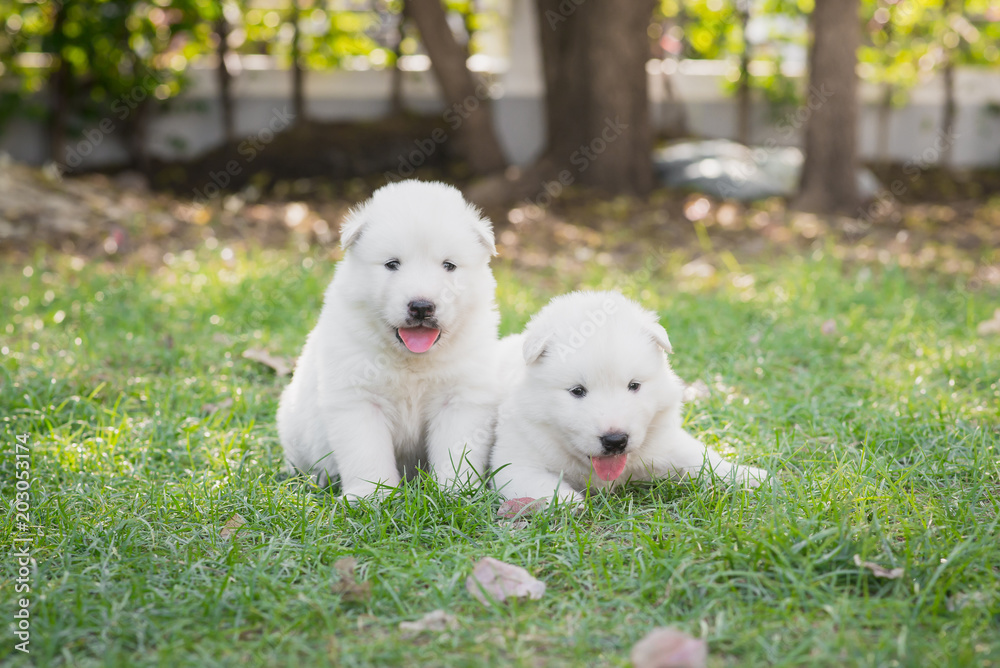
401 368
598 404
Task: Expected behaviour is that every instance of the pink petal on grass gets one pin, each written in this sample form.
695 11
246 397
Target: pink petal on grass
494 578
524 505
667 647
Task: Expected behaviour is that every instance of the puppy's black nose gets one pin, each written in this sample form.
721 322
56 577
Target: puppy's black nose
421 309
614 442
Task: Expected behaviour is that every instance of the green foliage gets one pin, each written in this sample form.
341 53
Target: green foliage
117 49
907 40
115 54
121 49
910 41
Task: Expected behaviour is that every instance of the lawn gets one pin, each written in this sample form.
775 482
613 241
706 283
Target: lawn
863 387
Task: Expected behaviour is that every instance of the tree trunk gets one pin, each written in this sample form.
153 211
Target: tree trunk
675 125
743 90
136 125
884 125
225 79
298 85
59 91
136 134
596 99
829 178
948 115
396 103
678 124
469 111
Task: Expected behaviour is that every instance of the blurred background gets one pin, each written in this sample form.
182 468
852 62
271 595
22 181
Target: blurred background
856 108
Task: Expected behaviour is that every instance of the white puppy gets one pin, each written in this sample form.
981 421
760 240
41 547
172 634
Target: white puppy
401 367
597 405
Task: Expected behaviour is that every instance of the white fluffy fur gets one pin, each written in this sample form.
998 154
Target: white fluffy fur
361 405
546 436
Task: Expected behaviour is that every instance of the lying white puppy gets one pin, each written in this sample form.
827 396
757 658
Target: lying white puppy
401 367
597 405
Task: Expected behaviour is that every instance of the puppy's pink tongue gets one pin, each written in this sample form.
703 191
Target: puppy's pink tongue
418 339
609 468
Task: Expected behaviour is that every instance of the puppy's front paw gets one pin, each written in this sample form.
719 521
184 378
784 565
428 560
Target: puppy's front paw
571 499
365 491
453 484
750 476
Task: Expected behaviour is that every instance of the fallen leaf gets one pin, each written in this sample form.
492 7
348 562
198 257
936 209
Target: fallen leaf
991 326
345 566
232 525
697 391
364 621
829 327
878 571
347 586
963 599
523 505
437 620
492 577
212 408
667 647
281 365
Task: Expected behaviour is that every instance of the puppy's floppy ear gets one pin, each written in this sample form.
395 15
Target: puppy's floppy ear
484 232
659 336
534 346
353 225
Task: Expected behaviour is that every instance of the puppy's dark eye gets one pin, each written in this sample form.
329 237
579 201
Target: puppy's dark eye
633 386
391 265
579 391
448 266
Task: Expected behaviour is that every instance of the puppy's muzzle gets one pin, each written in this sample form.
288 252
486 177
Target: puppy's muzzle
614 442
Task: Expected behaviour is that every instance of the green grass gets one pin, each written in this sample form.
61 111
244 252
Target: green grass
883 437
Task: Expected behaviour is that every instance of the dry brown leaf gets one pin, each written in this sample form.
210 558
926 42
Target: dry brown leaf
523 505
667 647
697 391
878 571
232 525
281 365
965 599
212 408
347 586
437 620
494 578
991 326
